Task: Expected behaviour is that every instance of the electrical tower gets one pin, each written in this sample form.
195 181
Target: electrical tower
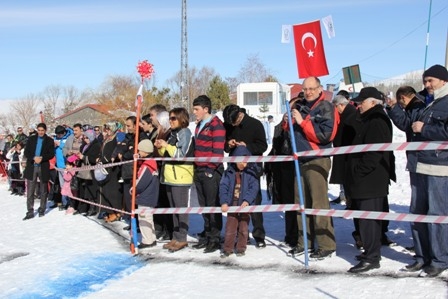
184 84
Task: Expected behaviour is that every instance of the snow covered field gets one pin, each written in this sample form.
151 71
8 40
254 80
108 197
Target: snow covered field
66 256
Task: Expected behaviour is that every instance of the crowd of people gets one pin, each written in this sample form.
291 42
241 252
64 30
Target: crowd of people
44 167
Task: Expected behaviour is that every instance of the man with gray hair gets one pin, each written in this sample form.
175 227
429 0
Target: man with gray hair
340 101
344 136
369 173
315 127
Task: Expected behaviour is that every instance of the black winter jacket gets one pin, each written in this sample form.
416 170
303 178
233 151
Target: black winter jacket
369 173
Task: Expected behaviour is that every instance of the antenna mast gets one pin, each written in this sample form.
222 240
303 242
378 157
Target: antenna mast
184 90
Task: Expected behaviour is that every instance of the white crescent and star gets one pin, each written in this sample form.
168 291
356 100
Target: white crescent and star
304 37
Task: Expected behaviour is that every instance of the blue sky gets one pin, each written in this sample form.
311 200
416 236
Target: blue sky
83 42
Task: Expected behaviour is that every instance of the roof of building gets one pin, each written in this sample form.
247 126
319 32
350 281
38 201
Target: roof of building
97 107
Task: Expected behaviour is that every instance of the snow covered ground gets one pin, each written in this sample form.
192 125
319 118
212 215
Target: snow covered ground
66 256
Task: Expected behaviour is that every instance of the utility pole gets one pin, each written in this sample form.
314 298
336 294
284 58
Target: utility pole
184 84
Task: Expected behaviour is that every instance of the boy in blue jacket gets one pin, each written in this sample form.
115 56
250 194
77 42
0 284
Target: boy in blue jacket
147 193
239 186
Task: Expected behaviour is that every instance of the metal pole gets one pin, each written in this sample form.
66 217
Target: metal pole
427 34
299 181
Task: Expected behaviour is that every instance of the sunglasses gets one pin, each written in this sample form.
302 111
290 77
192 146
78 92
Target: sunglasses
173 118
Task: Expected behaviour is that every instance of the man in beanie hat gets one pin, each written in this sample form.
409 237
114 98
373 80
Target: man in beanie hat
436 71
432 177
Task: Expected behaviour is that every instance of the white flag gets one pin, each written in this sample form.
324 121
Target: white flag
139 96
329 26
286 34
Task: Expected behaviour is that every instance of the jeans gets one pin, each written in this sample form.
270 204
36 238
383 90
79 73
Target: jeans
434 190
419 205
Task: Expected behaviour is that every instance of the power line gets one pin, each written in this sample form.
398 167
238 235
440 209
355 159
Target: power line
391 45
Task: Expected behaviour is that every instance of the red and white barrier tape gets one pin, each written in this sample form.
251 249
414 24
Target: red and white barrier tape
377 147
100 205
296 207
404 146
402 217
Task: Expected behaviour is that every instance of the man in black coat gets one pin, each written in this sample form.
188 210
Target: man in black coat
369 173
39 150
242 129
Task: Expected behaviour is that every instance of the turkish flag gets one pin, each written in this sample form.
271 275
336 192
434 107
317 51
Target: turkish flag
310 51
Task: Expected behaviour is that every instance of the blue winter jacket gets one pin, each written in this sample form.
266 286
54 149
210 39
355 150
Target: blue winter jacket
250 184
435 128
403 119
147 186
59 150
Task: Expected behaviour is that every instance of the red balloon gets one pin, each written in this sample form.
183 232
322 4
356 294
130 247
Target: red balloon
145 69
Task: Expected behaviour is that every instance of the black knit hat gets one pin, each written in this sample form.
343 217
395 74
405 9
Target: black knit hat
437 71
59 130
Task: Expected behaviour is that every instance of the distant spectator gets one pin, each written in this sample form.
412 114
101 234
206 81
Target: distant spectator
38 152
32 130
20 137
110 190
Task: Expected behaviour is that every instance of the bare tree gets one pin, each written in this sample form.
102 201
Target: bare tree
232 82
71 99
4 124
253 71
198 83
50 97
25 111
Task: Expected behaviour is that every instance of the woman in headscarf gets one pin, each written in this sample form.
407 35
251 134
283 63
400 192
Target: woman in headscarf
163 223
110 190
88 155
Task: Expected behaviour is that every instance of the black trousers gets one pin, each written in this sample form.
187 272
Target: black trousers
207 186
258 231
371 230
284 177
163 222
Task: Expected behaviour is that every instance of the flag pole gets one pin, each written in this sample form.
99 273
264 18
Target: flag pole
298 177
145 69
134 243
427 34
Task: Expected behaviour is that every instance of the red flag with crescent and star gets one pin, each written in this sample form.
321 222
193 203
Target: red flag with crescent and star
310 51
